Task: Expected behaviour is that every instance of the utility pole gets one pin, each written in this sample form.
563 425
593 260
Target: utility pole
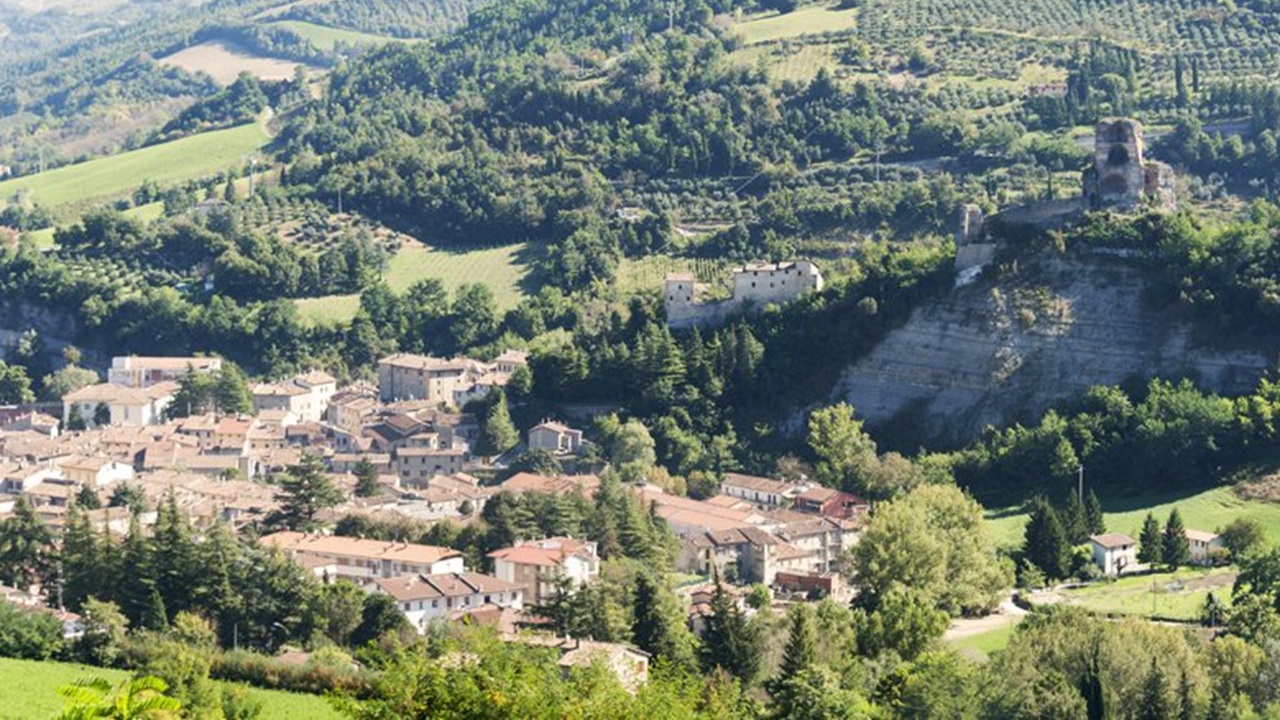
671 16
253 166
1080 484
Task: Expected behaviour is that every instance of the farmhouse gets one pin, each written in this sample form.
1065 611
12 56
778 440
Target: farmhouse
1114 553
1206 547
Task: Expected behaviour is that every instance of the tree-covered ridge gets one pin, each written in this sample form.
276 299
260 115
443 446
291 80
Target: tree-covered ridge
388 17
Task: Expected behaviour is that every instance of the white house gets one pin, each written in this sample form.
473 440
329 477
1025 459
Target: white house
538 564
1114 553
423 598
126 405
1205 546
556 438
362 561
305 396
760 490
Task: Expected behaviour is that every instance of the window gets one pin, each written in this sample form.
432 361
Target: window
407 606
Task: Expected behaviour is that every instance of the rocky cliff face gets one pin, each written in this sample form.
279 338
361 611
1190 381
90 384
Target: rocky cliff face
1005 350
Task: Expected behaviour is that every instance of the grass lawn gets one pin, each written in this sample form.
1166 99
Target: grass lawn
1179 594
804 21
1207 510
501 268
326 38
982 645
30 691
191 157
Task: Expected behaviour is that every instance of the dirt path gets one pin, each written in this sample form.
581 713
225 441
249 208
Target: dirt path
1007 614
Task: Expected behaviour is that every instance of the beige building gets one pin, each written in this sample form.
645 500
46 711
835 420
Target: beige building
556 438
362 561
1206 547
1114 553
537 565
754 285
305 396
139 372
126 405
420 377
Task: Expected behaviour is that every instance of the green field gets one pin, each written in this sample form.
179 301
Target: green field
1179 595
192 157
811 20
982 645
326 38
501 268
29 690
1208 510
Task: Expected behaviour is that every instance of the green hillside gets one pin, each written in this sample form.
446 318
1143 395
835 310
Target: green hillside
192 157
30 691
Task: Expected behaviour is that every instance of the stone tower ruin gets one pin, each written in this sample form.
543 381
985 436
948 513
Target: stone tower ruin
1120 177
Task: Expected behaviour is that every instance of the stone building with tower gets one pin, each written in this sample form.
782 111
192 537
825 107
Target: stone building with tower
1121 178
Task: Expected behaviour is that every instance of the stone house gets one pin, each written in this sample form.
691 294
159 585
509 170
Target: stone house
556 438
1206 547
831 503
1114 553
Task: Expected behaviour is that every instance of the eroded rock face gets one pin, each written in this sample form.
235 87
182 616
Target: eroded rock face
997 352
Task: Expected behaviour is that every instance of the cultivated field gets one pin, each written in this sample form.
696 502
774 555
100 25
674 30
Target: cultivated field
224 61
811 20
192 157
501 268
981 645
326 38
646 274
30 688
1208 510
1180 595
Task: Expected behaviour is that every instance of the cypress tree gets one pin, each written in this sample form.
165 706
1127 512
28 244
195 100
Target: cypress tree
173 557
134 593
1154 703
79 562
1074 522
1179 83
1046 542
1093 688
729 642
499 434
658 628
1093 514
1150 541
366 478
1177 549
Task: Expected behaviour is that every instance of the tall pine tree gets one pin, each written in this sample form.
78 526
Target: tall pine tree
798 658
1075 523
1150 541
729 641
1046 543
1176 547
366 478
1093 514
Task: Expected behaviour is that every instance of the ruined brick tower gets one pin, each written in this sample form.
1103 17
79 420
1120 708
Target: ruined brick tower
1120 177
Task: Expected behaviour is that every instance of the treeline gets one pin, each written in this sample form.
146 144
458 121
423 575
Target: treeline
1168 435
239 103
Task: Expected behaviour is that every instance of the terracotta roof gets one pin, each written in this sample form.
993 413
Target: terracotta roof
123 394
315 377
356 547
444 585
278 390
1112 540
553 426
754 482
136 362
426 362
1201 535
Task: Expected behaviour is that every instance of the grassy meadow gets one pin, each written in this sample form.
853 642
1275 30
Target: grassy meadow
811 20
1180 595
30 688
166 163
1205 510
983 644
501 268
